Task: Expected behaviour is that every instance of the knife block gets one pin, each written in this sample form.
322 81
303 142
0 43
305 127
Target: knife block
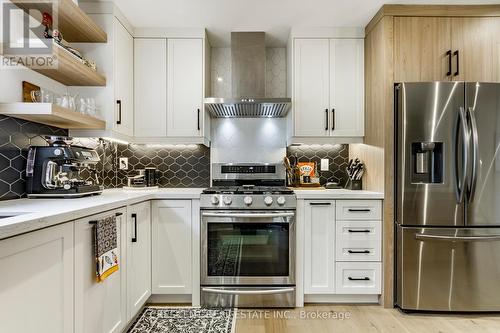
355 185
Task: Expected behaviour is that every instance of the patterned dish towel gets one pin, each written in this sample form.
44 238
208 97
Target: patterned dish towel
105 248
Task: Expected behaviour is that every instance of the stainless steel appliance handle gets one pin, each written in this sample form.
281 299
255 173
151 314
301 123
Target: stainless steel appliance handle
491 238
461 125
475 155
248 292
250 215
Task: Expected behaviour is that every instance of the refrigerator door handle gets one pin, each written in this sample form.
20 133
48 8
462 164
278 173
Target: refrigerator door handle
461 180
475 154
489 238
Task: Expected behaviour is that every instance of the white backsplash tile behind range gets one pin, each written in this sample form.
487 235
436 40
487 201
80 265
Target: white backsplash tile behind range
257 140
248 140
275 72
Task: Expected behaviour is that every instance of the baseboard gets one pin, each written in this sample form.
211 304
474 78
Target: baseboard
167 299
373 299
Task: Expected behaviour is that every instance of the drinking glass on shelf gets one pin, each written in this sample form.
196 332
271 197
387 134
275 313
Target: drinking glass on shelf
82 105
91 106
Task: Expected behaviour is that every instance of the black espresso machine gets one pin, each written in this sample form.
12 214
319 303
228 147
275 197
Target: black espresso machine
61 170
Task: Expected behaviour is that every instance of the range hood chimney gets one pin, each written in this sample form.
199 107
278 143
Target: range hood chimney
248 71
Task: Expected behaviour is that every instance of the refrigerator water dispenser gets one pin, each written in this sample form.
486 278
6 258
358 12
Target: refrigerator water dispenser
427 162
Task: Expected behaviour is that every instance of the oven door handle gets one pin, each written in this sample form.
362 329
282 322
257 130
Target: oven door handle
251 215
248 292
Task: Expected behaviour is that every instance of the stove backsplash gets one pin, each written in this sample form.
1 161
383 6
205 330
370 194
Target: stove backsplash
338 156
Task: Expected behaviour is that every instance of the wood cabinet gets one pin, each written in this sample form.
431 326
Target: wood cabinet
172 246
150 87
477 41
444 48
123 79
37 273
328 87
422 49
138 244
319 247
99 307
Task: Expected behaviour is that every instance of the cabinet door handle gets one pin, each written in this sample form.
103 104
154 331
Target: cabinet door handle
359 279
355 231
359 210
333 119
448 54
320 203
458 63
199 120
358 252
134 239
326 119
119 120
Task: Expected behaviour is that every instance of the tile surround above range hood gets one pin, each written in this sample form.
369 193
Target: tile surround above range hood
248 67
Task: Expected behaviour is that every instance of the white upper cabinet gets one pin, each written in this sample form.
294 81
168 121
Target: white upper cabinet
185 87
311 87
346 87
327 90
124 80
150 87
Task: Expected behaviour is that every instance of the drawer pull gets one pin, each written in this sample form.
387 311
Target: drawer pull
359 210
320 203
358 252
359 279
354 231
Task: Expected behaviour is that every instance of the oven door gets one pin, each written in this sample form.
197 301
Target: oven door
248 247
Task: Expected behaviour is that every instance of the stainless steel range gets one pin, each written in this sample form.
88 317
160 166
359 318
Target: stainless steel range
248 237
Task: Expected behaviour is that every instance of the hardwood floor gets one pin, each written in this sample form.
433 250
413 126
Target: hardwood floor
359 318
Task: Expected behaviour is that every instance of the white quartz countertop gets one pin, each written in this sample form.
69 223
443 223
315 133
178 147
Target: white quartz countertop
33 214
337 194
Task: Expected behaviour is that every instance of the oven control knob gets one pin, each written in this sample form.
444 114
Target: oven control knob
281 201
215 200
268 200
247 200
227 200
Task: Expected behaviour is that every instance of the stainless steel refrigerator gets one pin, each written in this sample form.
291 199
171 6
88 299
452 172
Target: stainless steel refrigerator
447 196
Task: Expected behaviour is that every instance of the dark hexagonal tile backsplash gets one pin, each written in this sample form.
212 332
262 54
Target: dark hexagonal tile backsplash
16 136
337 155
179 166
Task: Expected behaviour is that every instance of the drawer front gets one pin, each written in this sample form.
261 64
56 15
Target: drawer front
358 231
352 210
358 278
358 250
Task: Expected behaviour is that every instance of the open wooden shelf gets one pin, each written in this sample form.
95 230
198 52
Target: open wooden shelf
70 71
74 24
51 114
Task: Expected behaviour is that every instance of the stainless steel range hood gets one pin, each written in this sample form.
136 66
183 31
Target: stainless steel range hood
248 74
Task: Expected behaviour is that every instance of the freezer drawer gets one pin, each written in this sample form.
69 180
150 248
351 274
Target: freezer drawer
448 269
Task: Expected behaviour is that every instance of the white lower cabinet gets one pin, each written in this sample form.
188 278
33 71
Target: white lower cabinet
342 247
319 245
138 244
172 246
36 281
99 307
358 278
